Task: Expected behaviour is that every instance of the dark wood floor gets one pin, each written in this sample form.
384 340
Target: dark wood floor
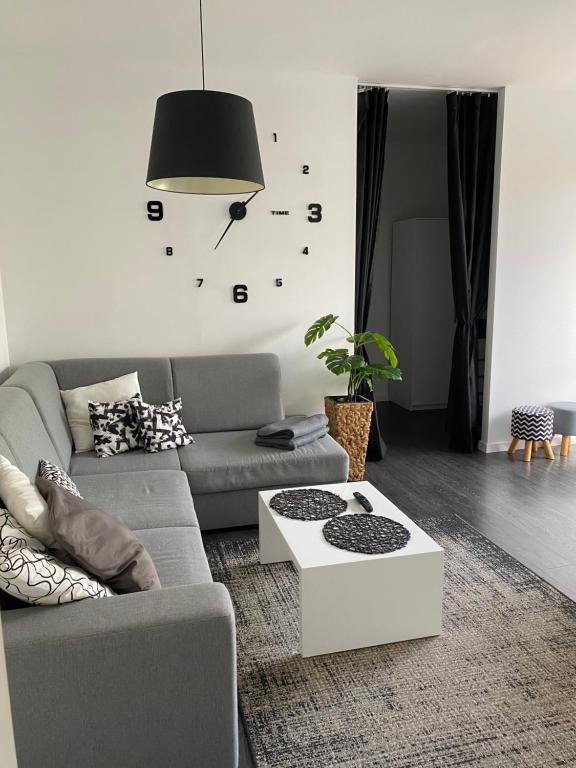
527 509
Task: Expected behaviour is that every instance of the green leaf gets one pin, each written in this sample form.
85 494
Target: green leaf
319 328
383 344
337 360
357 361
382 371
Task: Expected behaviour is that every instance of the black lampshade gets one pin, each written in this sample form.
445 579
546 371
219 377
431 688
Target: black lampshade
204 142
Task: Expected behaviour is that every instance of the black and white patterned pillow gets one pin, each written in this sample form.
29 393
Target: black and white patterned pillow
114 426
56 474
30 573
160 427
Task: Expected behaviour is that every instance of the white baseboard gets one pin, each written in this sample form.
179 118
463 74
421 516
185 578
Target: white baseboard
503 446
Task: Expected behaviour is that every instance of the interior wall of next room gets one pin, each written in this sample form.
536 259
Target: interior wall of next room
414 186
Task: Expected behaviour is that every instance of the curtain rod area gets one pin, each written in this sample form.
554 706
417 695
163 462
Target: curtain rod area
427 88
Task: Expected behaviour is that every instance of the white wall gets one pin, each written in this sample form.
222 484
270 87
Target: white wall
533 350
7 748
84 271
4 353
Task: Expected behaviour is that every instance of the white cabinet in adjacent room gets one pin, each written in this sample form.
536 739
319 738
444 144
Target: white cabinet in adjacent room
422 312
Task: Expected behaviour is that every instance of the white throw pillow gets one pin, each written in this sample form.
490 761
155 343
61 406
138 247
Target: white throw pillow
76 403
30 573
24 502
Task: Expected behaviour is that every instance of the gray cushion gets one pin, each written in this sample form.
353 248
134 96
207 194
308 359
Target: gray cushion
24 432
39 381
226 461
98 542
154 499
564 417
178 555
133 461
225 392
154 374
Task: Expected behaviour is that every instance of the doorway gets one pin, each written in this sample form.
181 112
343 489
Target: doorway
412 300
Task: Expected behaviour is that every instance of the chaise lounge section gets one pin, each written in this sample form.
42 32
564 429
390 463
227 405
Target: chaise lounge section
147 679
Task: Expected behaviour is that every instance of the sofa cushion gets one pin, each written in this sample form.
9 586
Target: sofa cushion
154 374
56 474
227 461
98 541
24 502
76 402
225 392
29 572
23 431
133 461
178 555
114 426
154 499
160 427
39 381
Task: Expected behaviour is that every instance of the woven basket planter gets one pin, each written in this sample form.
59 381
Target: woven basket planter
349 425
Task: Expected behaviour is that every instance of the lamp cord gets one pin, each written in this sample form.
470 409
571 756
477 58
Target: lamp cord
202 46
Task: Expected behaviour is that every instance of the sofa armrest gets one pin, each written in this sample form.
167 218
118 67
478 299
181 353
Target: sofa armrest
139 680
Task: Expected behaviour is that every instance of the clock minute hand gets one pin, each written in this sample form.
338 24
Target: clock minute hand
252 197
237 213
223 233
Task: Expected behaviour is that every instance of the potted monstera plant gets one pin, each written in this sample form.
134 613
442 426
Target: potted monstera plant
349 415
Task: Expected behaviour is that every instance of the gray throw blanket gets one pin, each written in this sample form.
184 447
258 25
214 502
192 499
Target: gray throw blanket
294 426
293 432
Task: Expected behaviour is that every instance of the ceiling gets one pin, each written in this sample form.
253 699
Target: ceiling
474 43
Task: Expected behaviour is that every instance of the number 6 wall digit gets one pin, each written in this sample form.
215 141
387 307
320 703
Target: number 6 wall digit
240 294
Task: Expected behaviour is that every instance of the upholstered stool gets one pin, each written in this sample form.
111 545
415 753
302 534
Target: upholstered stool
531 423
564 424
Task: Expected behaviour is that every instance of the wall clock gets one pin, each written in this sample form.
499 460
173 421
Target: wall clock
305 212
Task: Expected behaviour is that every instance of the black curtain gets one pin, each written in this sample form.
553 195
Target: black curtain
372 117
471 150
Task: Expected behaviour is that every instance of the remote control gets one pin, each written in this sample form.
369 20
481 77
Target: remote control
363 501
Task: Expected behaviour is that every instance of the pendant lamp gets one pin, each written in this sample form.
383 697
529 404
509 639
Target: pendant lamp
204 142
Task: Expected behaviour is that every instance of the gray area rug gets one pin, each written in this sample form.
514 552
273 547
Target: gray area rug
498 688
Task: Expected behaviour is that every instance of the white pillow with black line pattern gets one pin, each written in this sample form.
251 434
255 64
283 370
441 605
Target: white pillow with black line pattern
29 572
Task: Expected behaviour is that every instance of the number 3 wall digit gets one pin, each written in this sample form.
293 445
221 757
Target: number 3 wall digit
315 213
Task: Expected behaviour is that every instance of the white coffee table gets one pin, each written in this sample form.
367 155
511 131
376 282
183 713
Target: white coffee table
350 600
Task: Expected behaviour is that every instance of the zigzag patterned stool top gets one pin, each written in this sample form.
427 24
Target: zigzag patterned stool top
532 423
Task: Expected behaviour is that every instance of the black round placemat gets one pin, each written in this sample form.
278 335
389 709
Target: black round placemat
366 533
308 504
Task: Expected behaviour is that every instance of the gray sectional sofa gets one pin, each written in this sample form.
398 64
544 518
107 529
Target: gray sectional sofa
147 679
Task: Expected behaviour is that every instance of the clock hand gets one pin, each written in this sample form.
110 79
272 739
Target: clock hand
237 213
252 196
223 233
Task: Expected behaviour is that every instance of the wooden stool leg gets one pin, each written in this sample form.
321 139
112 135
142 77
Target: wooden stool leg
565 447
527 450
548 450
512 446
534 446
